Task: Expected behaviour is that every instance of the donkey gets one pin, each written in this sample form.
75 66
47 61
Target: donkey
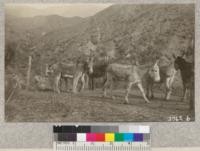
58 71
167 74
187 75
99 71
128 73
82 69
75 72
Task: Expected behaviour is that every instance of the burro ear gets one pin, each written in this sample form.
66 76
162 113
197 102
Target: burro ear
88 59
137 62
183 54
92 58
174 56
157 61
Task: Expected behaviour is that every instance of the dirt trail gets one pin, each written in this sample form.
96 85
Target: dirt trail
92 107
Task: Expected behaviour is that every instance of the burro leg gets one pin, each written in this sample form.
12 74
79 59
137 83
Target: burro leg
152 95
169 92
185 96
106 85
147 90
142 91
191 98
127 92
75 81
57 81
168 88
83 82
111 89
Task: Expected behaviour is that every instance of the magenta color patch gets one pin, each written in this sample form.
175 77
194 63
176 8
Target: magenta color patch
90 137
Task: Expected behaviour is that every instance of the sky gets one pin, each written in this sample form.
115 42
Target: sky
66 10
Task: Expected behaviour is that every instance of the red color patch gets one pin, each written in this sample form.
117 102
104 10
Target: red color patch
100 137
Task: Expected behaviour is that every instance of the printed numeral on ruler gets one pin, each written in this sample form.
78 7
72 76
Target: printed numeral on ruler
101 146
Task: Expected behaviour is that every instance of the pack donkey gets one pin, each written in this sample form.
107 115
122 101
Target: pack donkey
128 73
167 74
99 71
57 72
75 72
82 69
187 75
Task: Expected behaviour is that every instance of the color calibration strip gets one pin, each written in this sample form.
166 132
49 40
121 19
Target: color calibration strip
100 137
112 138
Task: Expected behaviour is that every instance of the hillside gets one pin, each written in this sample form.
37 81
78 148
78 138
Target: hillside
144 30
37 26
140 31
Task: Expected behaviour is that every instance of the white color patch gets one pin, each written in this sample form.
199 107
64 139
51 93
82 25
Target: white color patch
81 137
144 129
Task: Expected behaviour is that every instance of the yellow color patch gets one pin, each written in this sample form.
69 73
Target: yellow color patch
109 137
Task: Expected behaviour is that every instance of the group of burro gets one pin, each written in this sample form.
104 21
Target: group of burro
85 70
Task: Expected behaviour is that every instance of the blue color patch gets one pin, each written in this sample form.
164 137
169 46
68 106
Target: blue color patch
128 137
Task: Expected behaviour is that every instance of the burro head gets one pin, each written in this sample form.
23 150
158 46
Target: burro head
90 64
154 72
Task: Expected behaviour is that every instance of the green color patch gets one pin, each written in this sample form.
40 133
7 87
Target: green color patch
119 137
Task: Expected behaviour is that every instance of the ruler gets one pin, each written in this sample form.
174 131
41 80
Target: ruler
101 138
101 146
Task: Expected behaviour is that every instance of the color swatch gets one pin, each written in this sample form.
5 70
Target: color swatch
101 133
109 137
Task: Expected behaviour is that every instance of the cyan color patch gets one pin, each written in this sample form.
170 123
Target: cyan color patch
128 137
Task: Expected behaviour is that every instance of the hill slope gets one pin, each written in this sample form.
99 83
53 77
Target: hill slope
140 31
143 30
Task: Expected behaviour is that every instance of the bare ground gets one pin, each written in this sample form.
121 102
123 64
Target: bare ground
90 106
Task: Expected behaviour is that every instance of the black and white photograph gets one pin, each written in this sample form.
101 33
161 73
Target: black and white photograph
99 62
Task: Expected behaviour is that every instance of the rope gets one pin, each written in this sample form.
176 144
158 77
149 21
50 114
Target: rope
11 94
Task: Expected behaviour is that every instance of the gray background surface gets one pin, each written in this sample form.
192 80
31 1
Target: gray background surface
39 135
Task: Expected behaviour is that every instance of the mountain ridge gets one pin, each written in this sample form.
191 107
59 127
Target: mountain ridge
140 31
